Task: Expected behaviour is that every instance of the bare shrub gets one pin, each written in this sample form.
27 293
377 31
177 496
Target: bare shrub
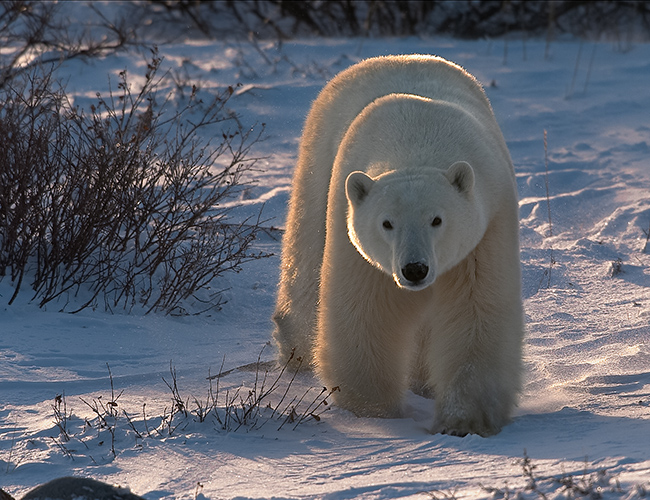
285 19
33 33
593 483
123 206
273 398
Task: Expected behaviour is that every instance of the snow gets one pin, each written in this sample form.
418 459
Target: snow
586 281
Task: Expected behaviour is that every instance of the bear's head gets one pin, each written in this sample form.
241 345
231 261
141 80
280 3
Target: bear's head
414 224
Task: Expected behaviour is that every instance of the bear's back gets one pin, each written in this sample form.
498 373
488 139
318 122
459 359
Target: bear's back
344 97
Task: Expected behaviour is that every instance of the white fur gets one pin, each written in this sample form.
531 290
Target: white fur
400 261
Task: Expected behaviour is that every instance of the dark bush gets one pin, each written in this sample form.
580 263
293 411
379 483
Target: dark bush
33 33
122 206
463 18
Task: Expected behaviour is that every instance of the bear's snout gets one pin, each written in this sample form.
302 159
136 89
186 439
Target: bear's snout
415 272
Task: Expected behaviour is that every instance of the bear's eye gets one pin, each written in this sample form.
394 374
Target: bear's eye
436 221
387 225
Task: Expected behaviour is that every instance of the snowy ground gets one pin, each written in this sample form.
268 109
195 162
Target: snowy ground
586 403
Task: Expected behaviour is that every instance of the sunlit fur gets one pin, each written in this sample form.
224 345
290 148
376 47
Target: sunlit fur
405 139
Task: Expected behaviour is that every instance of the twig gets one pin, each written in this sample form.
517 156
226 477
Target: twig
548 206
178 404
12 448
61 415
292 378
323 402
144 418
575 71
591 63
62 447
307 412
112 404
132 425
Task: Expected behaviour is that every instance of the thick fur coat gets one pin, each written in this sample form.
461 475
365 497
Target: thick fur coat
400 261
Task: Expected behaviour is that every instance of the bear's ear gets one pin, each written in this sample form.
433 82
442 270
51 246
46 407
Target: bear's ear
461 176
357 187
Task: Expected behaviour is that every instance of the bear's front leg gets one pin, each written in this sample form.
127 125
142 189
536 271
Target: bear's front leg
365 337
477 376
476 343
474 402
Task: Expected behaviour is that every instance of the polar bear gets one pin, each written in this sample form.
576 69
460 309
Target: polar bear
400 260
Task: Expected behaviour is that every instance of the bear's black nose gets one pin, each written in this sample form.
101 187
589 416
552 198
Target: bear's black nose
415 271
